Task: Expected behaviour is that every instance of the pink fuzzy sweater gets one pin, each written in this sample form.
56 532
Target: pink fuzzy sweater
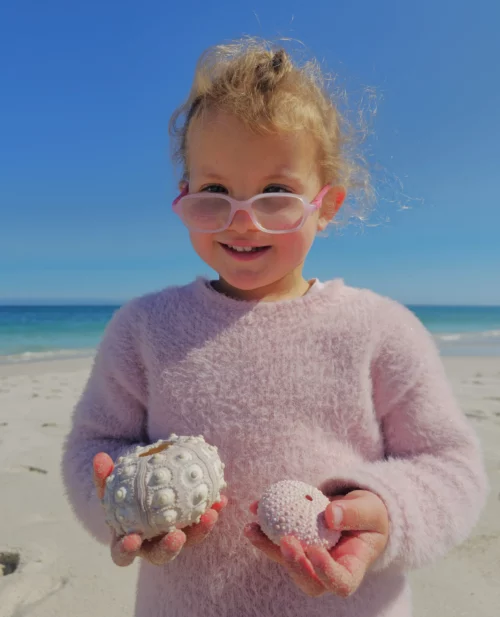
340 388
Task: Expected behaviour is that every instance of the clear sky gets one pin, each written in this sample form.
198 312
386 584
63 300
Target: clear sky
87 88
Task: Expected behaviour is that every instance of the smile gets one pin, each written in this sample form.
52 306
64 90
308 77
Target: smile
245 249
244 252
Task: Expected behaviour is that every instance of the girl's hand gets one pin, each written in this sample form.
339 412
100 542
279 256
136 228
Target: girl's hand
157 551
362 518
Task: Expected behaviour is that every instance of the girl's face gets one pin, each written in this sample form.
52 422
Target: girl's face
225 156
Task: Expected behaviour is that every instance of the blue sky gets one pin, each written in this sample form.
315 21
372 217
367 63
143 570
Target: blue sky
86 91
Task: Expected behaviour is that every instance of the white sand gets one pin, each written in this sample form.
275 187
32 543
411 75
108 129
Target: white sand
63 572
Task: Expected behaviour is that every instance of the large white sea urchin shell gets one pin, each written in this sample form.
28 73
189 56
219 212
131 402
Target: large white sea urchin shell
292 508
165 486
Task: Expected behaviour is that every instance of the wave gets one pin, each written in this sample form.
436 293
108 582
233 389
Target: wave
467 336
42 356
448 337
485 343
492 333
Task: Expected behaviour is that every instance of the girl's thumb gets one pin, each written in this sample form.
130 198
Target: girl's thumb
103 466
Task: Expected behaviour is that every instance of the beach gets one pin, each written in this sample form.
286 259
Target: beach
52 567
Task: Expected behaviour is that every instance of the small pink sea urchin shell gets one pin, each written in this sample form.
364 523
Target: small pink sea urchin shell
292 508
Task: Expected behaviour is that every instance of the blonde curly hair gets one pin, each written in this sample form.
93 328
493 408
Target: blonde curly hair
262 86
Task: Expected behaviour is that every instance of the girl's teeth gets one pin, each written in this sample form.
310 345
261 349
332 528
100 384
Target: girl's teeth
243 249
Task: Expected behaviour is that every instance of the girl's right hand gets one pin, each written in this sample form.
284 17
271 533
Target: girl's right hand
157 551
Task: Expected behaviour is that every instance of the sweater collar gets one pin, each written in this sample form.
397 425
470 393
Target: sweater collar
217 304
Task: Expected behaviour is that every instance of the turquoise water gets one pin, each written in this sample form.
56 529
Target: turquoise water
463 330
43 332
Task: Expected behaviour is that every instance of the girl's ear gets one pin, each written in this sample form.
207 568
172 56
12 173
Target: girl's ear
184 190
332 202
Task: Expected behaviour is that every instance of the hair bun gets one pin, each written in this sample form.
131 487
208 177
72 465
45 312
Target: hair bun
272 70
277 60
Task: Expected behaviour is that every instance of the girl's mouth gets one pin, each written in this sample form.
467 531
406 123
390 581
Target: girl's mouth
244 253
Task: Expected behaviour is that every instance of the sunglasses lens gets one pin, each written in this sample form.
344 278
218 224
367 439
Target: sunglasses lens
279 212
205 214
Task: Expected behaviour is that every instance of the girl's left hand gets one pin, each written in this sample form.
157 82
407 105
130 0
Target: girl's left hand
362 518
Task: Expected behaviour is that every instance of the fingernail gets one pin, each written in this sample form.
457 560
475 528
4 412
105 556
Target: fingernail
338 515
314 558
206 519
175 545
290 546
287 551
173 542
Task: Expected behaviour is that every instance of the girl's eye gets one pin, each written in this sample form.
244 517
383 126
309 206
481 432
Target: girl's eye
276 188
214 188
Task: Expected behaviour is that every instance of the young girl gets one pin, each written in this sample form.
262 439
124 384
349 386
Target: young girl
290 378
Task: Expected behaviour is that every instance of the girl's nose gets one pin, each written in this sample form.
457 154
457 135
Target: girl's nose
241 222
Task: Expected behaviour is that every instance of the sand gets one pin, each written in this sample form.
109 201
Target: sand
61 571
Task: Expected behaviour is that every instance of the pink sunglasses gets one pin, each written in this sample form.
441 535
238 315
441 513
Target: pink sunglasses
213 212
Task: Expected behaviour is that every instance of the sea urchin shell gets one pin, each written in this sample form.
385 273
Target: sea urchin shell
168 485
291 508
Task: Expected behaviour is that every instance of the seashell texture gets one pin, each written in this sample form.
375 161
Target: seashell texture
165 486
292 508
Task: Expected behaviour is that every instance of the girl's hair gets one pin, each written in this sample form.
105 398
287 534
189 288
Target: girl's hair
265 89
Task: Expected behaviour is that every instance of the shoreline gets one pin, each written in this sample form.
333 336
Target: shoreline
46 365
83 362
32 357
447 349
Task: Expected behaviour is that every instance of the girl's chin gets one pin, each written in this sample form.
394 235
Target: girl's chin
245 282
239 285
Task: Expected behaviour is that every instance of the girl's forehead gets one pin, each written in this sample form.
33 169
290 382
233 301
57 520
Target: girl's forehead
217 140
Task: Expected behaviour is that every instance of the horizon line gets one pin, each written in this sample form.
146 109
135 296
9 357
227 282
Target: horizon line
112 302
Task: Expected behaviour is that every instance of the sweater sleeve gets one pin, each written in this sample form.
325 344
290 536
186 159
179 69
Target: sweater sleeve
109 417
432 479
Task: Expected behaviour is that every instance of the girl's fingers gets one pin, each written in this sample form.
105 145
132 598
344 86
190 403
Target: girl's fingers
124 550
220 505
159 550
340 578
103 465
197 533
299 567
258 538
291 556
358 511
162 550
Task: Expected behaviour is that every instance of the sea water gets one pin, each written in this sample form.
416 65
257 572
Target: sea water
30 333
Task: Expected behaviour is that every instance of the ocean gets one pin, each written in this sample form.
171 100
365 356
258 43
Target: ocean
31 333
